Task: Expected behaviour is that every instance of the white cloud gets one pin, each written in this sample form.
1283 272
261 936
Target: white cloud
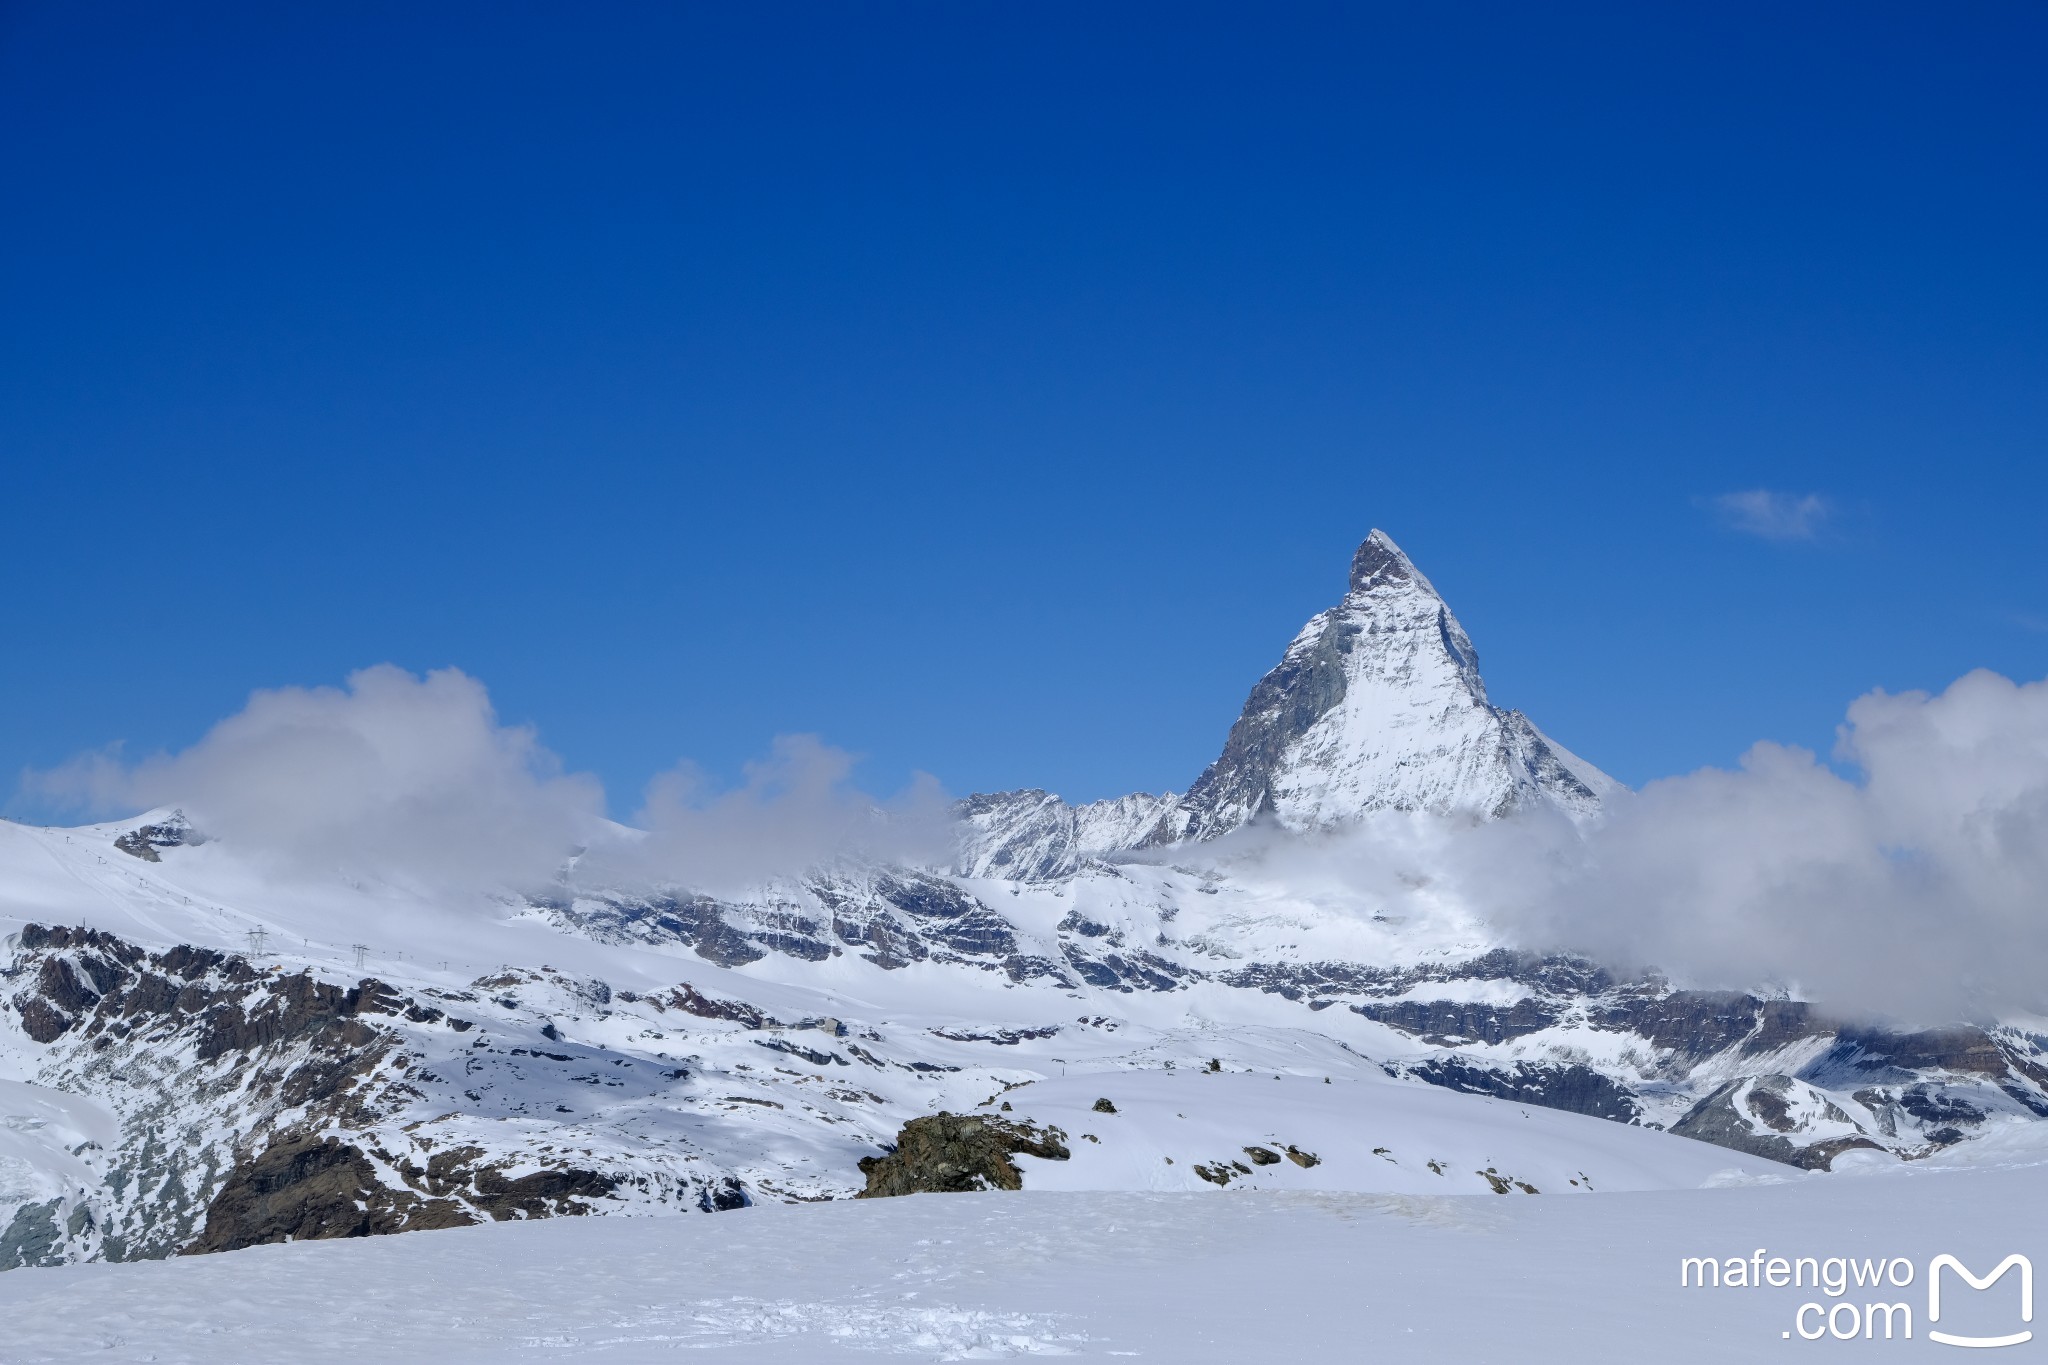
1773 515
390 775
1916 889
395 777
796 809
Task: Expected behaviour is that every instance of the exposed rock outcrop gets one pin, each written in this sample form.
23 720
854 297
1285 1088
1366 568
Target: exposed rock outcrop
948 1153
256 1106
1764 1116
312 1189
144 840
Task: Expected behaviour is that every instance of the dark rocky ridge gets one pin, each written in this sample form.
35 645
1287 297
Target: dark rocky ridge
310 1189
1684 1029
1283 704
144 840
1716 1119
316 1188
251 1102
1572 1087
186 1035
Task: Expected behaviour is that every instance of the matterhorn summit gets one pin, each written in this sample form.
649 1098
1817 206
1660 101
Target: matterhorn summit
1378 705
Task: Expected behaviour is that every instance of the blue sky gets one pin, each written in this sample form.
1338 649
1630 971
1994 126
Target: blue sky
993 390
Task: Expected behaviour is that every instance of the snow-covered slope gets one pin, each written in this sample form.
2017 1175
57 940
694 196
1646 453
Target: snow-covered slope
1033 836
1262 1275
1186 1128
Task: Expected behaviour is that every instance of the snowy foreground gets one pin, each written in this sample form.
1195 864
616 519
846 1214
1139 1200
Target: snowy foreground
1255 1275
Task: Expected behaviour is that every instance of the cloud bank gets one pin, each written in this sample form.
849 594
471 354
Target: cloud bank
1915 887
389 775
414 780
796 809
1909 884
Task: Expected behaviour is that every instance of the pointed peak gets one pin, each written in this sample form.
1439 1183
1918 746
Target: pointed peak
1380 561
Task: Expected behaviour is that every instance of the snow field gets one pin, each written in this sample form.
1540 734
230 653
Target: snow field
1363 1135
1261 1275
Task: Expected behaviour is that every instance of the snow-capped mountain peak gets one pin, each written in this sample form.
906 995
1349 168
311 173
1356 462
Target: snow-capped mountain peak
1378 705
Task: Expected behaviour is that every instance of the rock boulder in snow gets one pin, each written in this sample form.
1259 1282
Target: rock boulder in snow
957 1153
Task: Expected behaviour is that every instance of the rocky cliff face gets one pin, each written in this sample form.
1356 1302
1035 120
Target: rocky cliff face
250 1105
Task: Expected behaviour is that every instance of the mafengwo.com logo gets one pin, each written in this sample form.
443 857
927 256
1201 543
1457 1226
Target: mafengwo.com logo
1873 1298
